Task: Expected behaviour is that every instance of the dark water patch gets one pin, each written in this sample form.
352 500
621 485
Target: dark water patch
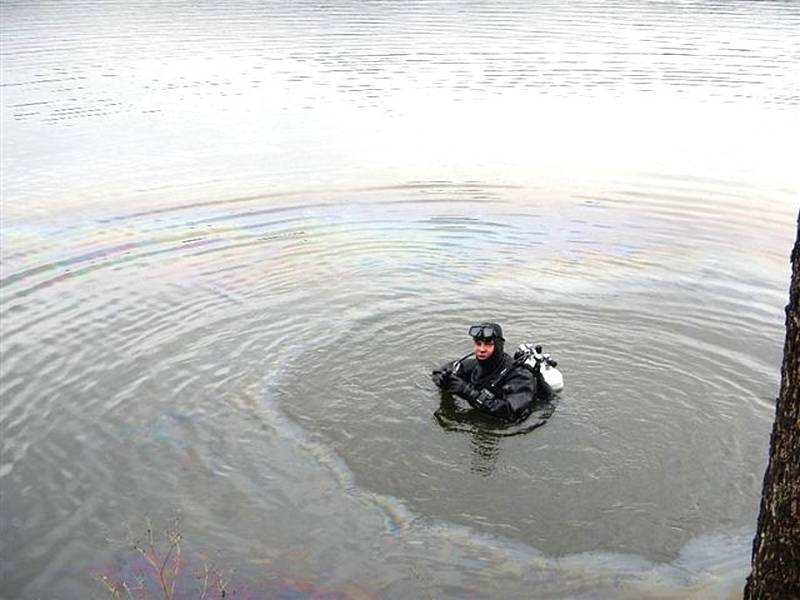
453 417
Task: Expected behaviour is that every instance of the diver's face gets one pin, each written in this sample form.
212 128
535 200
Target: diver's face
483 349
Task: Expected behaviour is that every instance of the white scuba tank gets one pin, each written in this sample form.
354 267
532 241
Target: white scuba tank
547 366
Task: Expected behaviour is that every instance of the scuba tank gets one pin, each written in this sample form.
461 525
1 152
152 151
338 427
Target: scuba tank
542 364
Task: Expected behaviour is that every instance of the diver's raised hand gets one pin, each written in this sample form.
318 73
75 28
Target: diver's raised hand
441 377
456 385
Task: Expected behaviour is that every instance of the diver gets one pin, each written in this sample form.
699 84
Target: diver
490 380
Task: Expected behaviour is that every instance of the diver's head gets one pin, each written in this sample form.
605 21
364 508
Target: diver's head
488 338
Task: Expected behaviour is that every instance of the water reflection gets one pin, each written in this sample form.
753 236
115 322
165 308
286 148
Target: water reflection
486 432
485 452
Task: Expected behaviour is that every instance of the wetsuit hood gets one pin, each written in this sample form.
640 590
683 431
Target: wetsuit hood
495 361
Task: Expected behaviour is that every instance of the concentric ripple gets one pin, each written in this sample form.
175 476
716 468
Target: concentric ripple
122 361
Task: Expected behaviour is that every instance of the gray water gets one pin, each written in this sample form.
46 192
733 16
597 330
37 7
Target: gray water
236 237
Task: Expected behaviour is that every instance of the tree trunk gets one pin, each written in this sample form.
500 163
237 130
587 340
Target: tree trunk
776 547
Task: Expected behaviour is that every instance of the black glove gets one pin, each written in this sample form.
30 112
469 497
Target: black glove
441 377
456 385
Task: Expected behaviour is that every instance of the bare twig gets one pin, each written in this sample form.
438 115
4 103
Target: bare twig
164 563
128 590
205 579
167 578
222 582
110 586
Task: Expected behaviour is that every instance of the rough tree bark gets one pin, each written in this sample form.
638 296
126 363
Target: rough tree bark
776 547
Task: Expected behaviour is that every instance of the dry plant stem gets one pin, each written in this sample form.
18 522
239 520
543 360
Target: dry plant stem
165 566
167 577
110 587
223 583
205 580
127 590
169 590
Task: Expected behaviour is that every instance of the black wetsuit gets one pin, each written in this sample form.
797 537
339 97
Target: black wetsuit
511 400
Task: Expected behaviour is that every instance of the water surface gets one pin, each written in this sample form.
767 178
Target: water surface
236 239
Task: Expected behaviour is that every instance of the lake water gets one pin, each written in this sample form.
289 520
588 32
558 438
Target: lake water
236 237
